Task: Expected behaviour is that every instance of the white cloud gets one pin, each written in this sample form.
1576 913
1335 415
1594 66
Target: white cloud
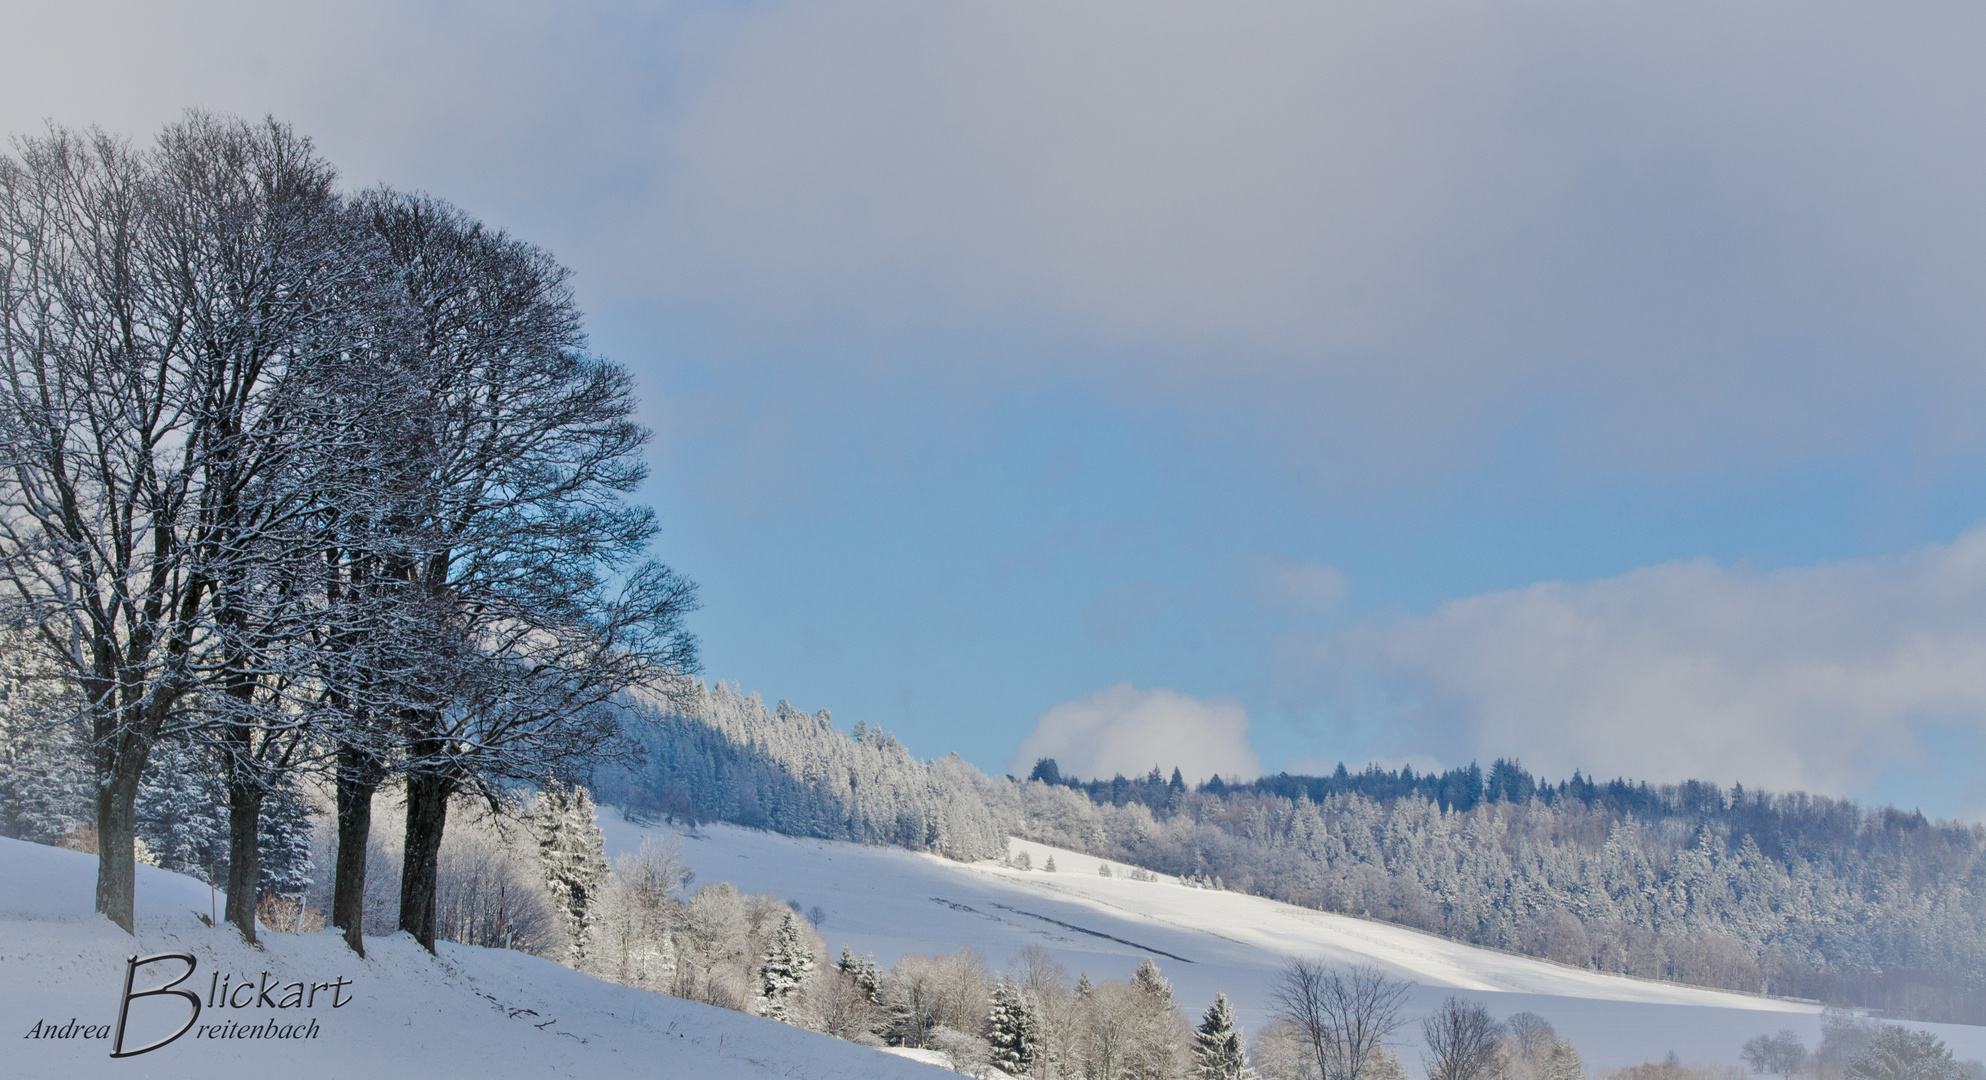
1373 225
1127 730
1817 678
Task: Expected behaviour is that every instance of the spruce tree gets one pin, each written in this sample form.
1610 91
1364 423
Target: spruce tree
182 810
1013 1029
863 970
1561 1063
786 966
284 843
45 786
45 789
1153 1051
571 851
1217 1045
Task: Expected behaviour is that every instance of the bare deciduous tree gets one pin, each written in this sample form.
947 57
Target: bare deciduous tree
841 1008
1342 1015
713 948
249 240
1107 1027
102 427
1046 984
522 558
639 910
1782 1054
492 894
1461 1041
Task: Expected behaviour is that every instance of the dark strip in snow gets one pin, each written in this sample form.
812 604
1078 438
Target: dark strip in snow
969 910
1094 933
955 906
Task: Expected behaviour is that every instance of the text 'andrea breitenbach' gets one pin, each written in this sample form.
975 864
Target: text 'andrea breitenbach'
223 992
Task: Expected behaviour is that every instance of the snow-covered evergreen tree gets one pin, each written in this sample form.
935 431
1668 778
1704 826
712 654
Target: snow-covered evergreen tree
283 846
1013 1029
783 971
863 970
45 786
1383 1064
44 789
1218 1050
1049 866
182 809
1901 1053
1561 1062
571 852
1157 1031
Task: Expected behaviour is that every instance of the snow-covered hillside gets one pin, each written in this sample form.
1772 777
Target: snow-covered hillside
890 902
477 1013
483 1013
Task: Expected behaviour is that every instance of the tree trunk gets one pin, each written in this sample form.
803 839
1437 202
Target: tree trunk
117 819
244 853
359 776
427 814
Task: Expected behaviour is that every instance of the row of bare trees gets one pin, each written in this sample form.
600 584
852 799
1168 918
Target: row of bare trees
327 480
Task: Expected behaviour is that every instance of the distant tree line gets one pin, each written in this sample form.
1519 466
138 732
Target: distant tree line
1467 787
296 482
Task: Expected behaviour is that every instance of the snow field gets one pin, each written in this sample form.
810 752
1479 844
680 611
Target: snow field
469 1013
890 902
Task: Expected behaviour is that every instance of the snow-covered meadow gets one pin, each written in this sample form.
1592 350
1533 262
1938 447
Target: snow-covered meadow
469 1012
890 902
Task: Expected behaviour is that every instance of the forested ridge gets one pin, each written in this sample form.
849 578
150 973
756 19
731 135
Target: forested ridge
727 757
1788 894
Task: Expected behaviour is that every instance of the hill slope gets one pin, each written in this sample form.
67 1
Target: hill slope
466 1013
889 902
1735 888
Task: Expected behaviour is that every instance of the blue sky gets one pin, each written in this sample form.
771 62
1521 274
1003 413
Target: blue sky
1243 387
